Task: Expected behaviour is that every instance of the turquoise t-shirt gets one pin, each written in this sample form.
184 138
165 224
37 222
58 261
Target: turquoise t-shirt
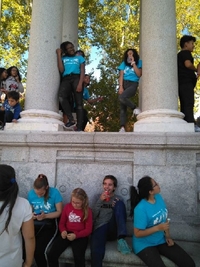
39 204
129 73
86 94
147 215
72 65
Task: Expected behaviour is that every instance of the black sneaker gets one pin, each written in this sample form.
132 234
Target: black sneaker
1 125
69 124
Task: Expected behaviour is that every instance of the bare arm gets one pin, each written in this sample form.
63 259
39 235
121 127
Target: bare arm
82 75
59 60
198 70
151 230
29 239
137 70
51 215
169 240
188 64
121 76
94 100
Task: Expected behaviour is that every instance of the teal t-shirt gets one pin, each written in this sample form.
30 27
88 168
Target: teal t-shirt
72 65
39 204
86 94
129 73
147 215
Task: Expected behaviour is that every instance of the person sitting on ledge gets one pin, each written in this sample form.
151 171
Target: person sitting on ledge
10 111
151 237
46 202
75 227
109 222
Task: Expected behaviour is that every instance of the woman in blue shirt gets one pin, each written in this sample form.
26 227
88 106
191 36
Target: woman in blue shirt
46 203
151 227
129 75
72 68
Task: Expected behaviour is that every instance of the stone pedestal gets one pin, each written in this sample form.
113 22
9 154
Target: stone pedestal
43 78
159 100
162 120
37 120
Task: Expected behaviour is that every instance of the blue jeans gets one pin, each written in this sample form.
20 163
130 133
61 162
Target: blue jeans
115 228
130 89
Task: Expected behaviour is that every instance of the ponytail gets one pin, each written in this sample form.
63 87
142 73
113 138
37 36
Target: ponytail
144 186
134 198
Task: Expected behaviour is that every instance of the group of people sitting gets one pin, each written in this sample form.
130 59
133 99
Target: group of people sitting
10 89
48 228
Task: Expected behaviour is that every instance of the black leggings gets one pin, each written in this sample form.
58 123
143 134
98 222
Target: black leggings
151 256
66 91
44 235
78 246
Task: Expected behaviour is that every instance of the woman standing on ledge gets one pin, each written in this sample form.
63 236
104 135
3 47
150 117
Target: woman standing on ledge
130 71
151 236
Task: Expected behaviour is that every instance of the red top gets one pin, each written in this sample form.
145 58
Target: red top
72 220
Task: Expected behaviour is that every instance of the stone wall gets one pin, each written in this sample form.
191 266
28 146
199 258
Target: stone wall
72 159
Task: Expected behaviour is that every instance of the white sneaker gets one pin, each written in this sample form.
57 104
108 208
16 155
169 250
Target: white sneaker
122 130
136 111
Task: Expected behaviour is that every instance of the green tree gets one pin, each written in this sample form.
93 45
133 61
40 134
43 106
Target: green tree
110 25
113 27
14 33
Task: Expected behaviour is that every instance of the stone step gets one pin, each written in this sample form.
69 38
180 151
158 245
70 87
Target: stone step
113 258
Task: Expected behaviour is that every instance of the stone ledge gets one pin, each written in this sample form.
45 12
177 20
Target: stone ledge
113 258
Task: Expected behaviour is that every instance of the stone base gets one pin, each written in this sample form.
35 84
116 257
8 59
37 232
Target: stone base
37 120
33 126
162 120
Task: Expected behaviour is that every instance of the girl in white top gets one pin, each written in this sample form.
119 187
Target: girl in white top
15 218
13 82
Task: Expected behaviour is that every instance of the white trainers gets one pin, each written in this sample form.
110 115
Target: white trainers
122 130
136 111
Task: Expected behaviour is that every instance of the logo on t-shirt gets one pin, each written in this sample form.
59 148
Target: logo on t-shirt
73 217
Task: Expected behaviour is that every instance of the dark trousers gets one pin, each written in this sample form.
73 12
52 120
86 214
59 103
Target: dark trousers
67 88
151 256
115 228
78 245
130 89
6 116
2 116
186 96
44 236
85 119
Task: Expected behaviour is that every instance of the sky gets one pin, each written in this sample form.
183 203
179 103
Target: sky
94 58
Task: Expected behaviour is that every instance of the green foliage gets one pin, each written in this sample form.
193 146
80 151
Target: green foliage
14 33
114 27
110 25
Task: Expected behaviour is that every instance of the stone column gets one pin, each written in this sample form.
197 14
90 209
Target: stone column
159 74
70 22
41 104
